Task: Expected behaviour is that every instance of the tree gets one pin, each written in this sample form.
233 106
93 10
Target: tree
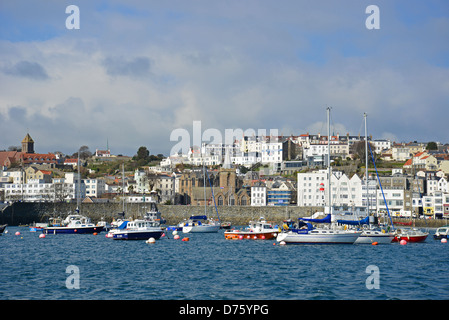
432 146
358 149
84 153
142 154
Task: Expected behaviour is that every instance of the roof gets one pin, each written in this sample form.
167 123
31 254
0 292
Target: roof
27 139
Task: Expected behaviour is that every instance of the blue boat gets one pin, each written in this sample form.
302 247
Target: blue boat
137 230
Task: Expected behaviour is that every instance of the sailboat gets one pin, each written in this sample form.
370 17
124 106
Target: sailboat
200 223
332 234
370 233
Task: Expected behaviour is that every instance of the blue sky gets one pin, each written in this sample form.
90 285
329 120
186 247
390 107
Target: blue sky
137 70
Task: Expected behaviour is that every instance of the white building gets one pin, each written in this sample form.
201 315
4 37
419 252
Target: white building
259 196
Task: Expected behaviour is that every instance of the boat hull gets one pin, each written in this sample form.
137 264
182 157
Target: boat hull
318 238
440 236
71 230
241 235
200 229
380 238
137 235
410 238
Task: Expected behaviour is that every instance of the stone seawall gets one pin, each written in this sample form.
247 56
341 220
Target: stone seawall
27 213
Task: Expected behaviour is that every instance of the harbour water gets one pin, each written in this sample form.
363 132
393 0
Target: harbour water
208 267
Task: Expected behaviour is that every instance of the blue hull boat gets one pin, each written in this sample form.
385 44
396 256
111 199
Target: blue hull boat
137 235
71 230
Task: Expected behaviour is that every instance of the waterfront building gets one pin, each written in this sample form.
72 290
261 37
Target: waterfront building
259 194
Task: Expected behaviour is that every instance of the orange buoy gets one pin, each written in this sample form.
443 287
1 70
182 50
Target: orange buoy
95 233
375 243
185 239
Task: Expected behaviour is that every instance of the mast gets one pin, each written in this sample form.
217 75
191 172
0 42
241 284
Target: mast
366 165
123 187
329 159
78 196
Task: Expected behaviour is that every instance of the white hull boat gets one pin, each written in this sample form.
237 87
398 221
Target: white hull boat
371 236
319 236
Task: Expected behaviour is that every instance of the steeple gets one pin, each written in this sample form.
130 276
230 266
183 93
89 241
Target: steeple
28 144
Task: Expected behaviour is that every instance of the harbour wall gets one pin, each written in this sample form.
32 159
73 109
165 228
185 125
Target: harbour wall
23 213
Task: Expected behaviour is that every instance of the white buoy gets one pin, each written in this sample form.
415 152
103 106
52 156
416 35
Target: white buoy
42 235
175 232
282 243
176 237
151 240
443 240
17 233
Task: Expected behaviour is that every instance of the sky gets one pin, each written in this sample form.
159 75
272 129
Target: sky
137 71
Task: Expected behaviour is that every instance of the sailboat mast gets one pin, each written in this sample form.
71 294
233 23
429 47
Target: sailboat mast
366 165
329 158
123 187
204 188
78 196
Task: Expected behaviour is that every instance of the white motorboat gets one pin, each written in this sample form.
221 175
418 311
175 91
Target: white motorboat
74 224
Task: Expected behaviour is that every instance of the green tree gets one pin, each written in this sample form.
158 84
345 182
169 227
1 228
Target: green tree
432 146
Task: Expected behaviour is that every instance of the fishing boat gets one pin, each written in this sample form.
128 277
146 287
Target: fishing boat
441 232
332 233
103 223
154 214
200 224
74 224
257 230
410 235
38 226
139 229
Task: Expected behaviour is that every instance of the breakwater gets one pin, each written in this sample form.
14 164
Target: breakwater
23 213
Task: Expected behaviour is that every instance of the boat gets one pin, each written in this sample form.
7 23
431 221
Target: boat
371 233
306 233
441 232
200 224
410 235
154 214
309 234
103 223
38 226
139 229
257 230
225 225
2 228
74 224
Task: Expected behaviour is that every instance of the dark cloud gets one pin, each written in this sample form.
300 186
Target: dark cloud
27 69
138 67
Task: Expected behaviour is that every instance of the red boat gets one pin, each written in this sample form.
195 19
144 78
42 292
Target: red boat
410 235
260 230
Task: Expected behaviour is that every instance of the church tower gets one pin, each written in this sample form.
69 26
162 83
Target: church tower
28 144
